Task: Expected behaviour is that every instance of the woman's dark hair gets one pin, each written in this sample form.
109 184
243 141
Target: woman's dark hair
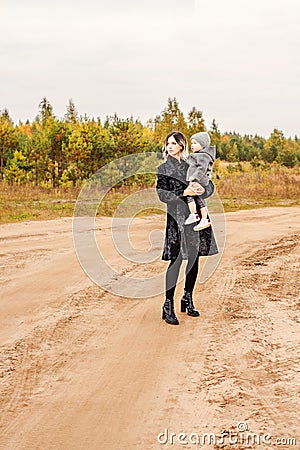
181 140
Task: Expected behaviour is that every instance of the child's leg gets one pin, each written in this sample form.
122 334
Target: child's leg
203 213
204 222
192 207
199 201
193 217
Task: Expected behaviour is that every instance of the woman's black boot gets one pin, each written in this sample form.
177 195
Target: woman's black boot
168 313
187 305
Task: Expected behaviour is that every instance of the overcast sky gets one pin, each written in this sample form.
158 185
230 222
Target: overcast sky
237 61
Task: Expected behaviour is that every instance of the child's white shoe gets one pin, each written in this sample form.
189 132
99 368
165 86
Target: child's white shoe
204 223
192 219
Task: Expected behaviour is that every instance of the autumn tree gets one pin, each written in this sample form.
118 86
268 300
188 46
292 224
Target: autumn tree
16 170
38 153
273 145
45 112
8 141
97 136
215 134
71 115
78 150
55 135
171 119
195 121
289 154
71 149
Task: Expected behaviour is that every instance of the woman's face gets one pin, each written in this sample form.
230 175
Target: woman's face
173 148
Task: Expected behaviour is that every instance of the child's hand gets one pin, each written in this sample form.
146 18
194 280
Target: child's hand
197 188
189 191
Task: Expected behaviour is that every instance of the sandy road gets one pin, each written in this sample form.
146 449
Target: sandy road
83 369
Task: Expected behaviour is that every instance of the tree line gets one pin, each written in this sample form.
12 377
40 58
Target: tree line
52 151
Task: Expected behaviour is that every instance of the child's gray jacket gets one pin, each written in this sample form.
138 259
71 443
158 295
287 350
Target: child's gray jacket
200 165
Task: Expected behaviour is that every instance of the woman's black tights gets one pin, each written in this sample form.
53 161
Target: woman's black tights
191 273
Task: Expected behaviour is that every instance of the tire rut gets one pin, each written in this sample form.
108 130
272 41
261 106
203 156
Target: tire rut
255 368
43 352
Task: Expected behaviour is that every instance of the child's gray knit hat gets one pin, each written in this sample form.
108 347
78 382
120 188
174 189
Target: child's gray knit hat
202 137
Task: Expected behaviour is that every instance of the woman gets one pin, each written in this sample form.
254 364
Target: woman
181 241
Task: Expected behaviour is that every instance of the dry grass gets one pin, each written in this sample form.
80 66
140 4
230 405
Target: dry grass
242 187
18 203
27 202
239 186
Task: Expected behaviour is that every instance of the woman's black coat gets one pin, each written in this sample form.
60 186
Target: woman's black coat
171 182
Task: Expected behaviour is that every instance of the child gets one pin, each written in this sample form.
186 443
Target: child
200 167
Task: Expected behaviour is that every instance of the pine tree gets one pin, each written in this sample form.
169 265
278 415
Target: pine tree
71 115
8 141
171 119
215 134
195 121
45 112
273 145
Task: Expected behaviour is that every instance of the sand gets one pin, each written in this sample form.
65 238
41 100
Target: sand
82 368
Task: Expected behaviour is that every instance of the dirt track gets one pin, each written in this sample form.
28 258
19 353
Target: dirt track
82 369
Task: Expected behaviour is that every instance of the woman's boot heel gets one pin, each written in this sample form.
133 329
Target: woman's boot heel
188 305
163 316
183 306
